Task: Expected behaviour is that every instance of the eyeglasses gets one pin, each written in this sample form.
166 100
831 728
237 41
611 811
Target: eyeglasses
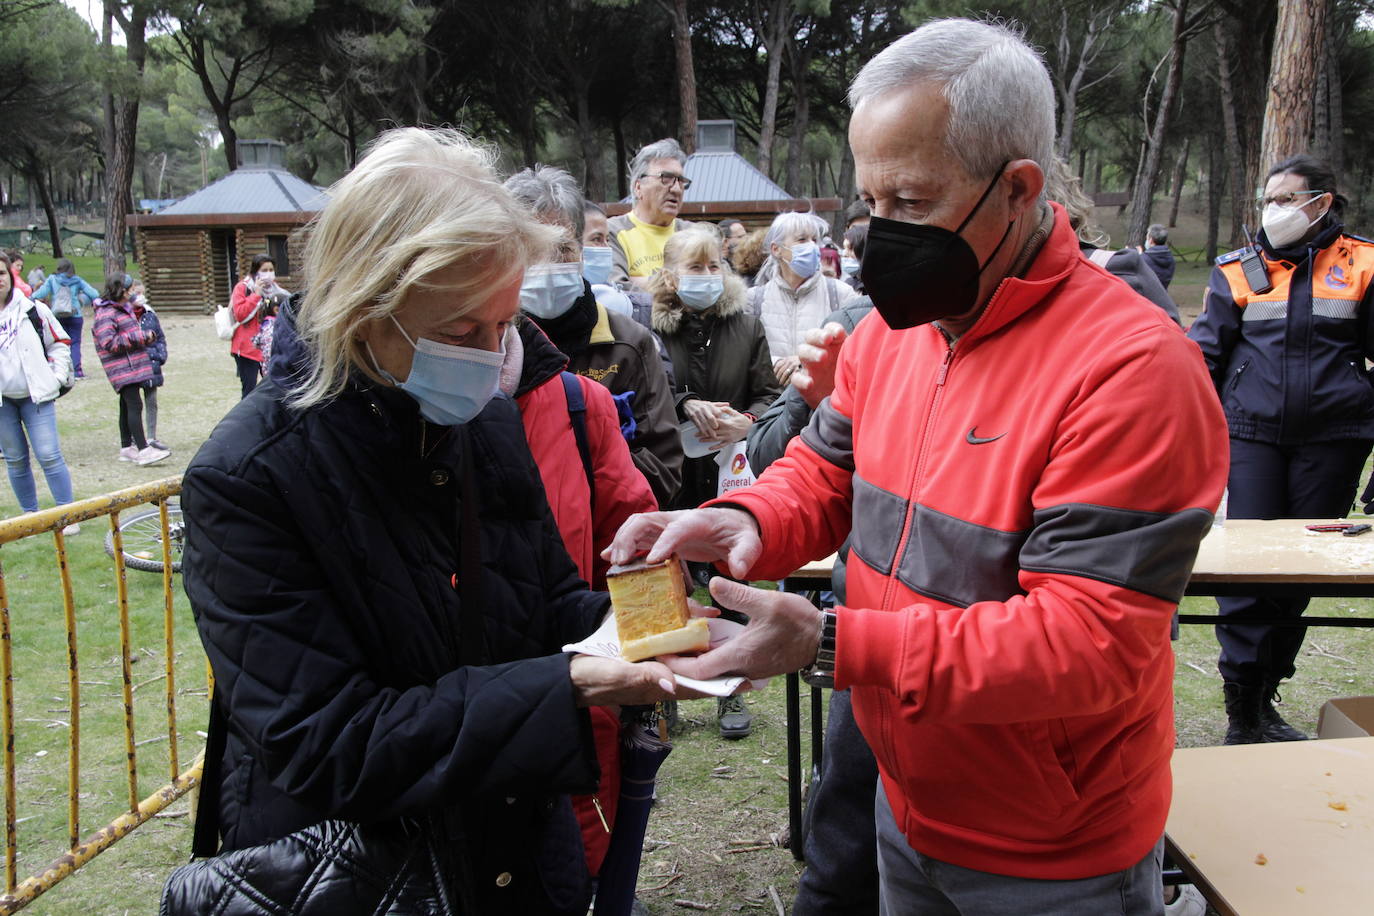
1287 198
667 179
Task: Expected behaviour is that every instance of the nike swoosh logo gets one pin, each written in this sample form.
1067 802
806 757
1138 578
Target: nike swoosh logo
980 440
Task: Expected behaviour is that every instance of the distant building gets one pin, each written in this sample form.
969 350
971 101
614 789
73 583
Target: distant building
725 185
193 251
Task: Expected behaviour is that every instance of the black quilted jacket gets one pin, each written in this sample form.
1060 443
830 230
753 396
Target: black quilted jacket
320 553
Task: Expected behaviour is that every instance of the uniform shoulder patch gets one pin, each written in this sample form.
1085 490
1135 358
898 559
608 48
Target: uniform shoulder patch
1229 256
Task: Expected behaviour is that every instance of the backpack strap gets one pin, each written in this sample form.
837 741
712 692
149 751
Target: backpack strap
832 294
577 412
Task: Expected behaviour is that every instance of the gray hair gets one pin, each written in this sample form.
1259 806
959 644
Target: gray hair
667 148
1001 101
792 222
1157 233
550 192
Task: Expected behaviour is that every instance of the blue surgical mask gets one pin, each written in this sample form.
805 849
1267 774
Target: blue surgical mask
700 291
596 263
806 259
451 384
550 290
850 266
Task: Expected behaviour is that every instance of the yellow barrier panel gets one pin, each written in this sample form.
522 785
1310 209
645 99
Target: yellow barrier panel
20 894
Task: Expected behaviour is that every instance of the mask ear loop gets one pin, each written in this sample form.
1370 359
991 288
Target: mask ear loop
996 178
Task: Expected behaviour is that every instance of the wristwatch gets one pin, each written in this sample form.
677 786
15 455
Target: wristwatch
821 672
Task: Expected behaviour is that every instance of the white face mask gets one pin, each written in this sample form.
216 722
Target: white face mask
1285 225
549 290
700 291
267 277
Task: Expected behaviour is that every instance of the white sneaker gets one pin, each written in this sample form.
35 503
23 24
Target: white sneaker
151 455
71 530
128 453
1189 902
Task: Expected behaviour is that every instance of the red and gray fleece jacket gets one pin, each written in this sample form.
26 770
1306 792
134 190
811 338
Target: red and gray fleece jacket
1025 509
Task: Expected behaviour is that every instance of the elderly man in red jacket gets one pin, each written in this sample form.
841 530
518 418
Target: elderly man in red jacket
1025 455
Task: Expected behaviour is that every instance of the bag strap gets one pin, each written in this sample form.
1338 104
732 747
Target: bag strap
577 412
205 836
832 294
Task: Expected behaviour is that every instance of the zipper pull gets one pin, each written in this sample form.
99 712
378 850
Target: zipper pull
944 367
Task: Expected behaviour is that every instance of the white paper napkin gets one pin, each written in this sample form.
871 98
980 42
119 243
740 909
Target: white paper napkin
605 642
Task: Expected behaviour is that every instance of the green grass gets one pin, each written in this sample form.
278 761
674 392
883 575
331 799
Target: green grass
90 268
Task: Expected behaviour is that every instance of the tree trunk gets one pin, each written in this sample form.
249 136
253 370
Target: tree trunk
593 173
1254 42
39 182
844 189
774 43
1215 183
800 61
121 125
686 78
1143 196
1331 104
1299 43
1180 174
622 164
1235 154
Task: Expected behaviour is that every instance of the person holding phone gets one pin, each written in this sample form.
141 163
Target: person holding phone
255 297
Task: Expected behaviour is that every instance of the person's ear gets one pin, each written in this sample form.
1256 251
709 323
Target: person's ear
1024 181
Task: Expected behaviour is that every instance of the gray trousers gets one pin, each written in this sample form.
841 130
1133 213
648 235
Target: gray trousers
912 884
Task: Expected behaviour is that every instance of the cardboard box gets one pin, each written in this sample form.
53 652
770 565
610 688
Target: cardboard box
1349 717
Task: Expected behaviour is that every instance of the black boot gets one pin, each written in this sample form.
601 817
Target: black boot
1272 726
1243 703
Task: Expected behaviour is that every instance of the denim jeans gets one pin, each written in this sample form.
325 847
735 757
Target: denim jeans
18 415
913 884
72 325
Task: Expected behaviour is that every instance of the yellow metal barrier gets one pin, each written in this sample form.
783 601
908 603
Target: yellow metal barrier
20 894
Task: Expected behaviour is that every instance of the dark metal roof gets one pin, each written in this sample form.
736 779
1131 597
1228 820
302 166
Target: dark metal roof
250 190
726 176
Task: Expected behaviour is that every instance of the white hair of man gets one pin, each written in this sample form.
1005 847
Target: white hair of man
792 223
1001 101
550 192
666 148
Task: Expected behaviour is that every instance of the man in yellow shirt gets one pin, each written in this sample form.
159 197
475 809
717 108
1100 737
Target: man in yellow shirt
658 183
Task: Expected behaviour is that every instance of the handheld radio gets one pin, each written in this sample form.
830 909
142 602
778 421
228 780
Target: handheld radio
1252 265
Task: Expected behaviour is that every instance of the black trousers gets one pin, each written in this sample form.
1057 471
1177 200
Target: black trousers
249 370
1314 480
841 876
131 417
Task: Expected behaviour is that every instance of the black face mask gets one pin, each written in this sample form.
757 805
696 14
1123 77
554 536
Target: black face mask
916 273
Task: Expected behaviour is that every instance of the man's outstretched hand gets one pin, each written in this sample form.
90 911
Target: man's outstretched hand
782 636
704 535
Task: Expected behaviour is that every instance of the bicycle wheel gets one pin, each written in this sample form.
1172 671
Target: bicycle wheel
141 534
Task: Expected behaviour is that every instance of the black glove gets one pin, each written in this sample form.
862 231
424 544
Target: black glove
1367 497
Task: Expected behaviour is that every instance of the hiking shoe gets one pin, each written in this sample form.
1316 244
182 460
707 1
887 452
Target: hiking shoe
151 455
128 453
1272 727
735 720
1189 902
1243 703
71 530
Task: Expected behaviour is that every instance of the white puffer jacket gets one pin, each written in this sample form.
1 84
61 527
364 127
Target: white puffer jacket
46 363
787 313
